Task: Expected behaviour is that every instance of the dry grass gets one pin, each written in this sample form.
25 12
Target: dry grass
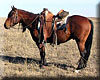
21 56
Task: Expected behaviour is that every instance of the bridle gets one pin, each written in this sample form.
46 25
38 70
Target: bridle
15 20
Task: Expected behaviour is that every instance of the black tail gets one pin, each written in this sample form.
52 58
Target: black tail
88 43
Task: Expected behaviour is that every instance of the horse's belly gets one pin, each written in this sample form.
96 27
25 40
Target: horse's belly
62 36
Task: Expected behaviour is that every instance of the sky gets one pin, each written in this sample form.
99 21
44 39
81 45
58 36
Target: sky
86 8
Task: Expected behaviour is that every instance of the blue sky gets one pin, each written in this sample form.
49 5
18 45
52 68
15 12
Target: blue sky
86 8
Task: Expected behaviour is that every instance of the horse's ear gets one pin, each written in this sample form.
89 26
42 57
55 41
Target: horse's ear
44 9
13 7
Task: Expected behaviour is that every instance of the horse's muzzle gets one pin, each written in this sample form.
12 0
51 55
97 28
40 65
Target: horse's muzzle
5 26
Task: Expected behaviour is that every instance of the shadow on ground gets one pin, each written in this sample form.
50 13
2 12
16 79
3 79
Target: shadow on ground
21 60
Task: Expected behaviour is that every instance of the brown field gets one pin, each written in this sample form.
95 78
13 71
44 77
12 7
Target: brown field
19 56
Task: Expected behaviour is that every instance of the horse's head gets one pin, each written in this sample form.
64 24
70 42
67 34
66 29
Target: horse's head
13 18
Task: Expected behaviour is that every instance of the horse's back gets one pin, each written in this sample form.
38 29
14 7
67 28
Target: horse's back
78 19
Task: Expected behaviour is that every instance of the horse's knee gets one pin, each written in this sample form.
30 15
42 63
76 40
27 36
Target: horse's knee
41 48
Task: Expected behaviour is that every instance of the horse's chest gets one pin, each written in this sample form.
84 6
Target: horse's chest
34 33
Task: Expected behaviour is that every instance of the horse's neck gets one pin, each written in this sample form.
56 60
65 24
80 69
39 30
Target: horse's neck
27 18
27 22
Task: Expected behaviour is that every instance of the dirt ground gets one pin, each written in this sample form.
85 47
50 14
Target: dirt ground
19 57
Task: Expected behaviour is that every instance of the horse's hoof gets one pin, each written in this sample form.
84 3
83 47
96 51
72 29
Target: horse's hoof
43 67
82 66
77 71
52 45
40 66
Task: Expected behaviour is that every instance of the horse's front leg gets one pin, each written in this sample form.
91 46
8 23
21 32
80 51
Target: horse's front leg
42 55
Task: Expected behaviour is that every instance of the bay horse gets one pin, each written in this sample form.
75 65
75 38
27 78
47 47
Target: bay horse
77 27
30 21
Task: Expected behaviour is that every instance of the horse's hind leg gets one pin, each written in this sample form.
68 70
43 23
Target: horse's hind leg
83 53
